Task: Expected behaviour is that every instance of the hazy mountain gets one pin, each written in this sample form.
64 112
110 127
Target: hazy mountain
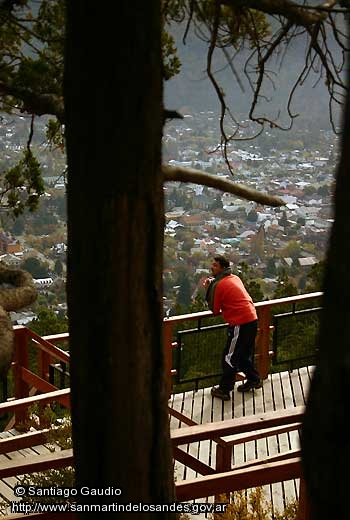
192 90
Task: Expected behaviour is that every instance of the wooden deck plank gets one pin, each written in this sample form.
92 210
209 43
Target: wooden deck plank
263 446
296 388
291 392
7 484
280 391
305 375
248 406
268 394
196 415
205 447
187 409
177 404
216 415
6 488
37 463
238 452
259 407
275 443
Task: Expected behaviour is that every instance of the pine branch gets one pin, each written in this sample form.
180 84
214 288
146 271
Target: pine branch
295 13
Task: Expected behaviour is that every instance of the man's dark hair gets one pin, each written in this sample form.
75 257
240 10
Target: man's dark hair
222 260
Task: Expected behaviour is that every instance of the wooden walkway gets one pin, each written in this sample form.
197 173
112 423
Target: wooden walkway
7 484
280 391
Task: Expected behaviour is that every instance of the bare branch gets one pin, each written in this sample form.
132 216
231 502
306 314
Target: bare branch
261 74
190 175
219 92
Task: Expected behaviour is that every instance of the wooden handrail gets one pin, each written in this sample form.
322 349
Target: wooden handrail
46 346
24 440
259 475
263 353
61 396
260 434
239 425
49 351
55 460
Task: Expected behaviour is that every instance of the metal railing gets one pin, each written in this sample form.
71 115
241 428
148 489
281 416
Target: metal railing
194 342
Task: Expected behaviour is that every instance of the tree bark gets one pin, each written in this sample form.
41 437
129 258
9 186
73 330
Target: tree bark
325 433
113 98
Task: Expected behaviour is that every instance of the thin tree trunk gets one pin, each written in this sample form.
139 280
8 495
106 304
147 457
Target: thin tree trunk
113 96
325 434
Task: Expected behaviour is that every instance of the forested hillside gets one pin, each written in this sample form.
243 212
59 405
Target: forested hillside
192 90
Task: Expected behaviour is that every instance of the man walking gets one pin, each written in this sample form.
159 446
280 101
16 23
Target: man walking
226 293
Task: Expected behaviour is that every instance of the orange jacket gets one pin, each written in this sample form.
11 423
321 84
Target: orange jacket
232 298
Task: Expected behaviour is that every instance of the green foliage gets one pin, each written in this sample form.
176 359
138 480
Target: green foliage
184 294
283 221
315 277
253 286
59 437
217 203
198 304
252 216
171 62
30 73
292 249
270 267
255 291
23 184
58 267
244 25
237 24
35 42
284 287
31 70
55 134
49 28
48 323
36 268
3 507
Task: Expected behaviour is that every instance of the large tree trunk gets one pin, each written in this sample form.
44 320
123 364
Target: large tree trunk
113 95
325 435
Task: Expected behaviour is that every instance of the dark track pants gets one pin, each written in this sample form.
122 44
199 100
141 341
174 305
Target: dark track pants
238 354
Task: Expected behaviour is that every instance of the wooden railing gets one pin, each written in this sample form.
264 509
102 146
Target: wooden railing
227 434
35 388
223 479
263 352
214 481
26 382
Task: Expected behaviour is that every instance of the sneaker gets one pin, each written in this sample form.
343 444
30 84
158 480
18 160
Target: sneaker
217 392
249 385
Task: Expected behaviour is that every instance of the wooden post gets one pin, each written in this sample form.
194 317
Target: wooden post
44 360
167 339
223 463
21 388
43 364
263 341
